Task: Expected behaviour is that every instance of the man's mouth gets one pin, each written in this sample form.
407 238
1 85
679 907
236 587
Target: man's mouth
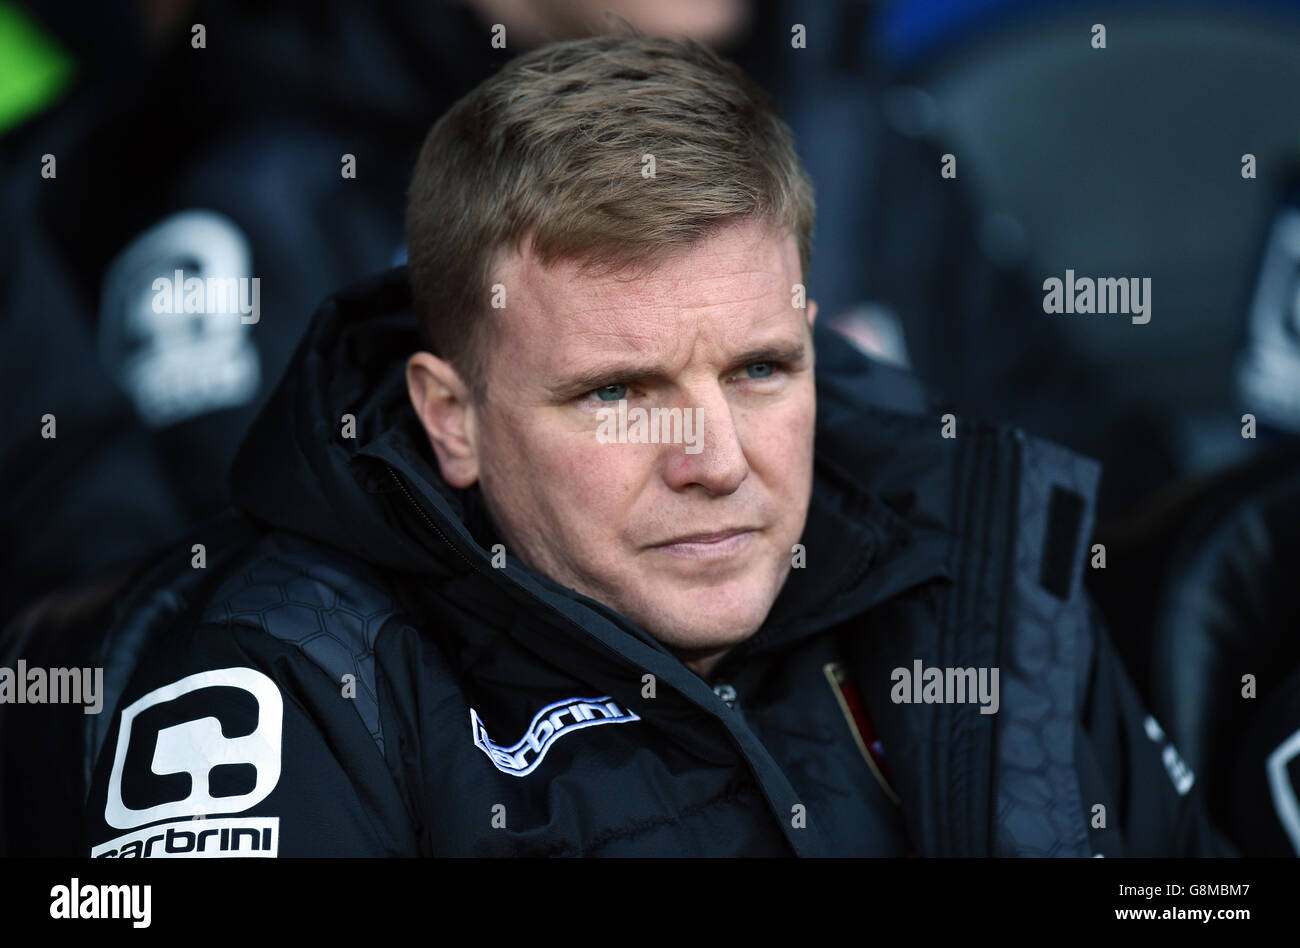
715 545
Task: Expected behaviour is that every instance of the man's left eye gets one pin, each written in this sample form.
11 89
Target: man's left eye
760 370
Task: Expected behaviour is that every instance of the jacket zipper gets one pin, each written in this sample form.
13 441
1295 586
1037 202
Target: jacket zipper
429 520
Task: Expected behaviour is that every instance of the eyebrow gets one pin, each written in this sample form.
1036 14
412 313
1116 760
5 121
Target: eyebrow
586 380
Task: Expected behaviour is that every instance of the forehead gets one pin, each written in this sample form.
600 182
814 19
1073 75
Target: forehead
735 282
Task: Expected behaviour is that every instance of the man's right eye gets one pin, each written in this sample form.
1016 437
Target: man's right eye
610 393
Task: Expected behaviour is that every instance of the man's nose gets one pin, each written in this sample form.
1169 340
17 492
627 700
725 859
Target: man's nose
712 456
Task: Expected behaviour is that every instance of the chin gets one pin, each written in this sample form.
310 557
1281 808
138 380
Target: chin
713 619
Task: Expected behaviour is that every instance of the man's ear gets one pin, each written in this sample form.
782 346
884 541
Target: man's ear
446 412
812 312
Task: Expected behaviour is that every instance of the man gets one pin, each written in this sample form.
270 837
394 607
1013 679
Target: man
479 605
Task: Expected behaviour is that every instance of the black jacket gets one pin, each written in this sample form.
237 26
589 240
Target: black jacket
349 674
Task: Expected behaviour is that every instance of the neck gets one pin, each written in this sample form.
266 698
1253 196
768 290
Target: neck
704 665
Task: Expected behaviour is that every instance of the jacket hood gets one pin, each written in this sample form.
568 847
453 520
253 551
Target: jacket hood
875 523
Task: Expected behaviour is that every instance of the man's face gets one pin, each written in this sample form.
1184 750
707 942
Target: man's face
690 541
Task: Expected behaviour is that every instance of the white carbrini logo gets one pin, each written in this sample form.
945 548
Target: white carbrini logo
554 720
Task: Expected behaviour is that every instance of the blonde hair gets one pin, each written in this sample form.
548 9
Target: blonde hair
554 146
